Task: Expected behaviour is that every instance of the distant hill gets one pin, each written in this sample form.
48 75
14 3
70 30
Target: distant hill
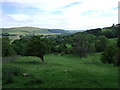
58 31
15 32
25 30
35 30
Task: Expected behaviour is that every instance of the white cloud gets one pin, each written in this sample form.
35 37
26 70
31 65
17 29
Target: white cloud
19 17
70 18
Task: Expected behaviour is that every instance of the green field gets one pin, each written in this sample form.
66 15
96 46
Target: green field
66 71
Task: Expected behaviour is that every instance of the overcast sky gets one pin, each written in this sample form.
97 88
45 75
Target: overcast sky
59 14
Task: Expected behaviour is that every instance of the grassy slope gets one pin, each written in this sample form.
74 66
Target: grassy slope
27 31
87 72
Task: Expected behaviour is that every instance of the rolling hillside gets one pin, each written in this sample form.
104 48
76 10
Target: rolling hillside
14 33
35 30
26 30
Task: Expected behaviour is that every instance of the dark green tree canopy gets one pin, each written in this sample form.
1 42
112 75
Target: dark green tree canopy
83 44
20 46
7 48
37 46
101 43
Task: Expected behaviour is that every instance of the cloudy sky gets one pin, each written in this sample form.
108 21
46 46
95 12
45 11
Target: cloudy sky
62 14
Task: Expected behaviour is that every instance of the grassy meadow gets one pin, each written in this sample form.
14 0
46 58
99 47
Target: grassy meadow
67 71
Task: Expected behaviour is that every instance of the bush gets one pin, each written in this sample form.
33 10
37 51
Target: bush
101 43
117 60
109 55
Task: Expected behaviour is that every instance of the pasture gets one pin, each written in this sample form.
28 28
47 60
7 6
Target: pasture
58 71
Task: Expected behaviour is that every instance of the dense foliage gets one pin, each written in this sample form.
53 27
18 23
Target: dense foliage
20 45
81 44
109 55
7 48
118 43
101 43
32 46
37 46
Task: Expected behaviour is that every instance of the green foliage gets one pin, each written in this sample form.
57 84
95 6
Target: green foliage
109 33
117 29
109 55
117 56
61 44
37 46
7 48
20 46
113 41
83 44
101 43
118 42
96 32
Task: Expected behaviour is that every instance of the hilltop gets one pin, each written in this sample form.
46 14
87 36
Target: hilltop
35 30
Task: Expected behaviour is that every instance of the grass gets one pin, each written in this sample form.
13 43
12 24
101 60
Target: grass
66 71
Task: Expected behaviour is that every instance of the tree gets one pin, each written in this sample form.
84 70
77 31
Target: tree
96 32
7 49
101 43
109 55
37 46
20 45
117 62
83 44
109 33
118 41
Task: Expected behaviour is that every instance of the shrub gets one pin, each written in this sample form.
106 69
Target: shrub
101 43
117 59
109 55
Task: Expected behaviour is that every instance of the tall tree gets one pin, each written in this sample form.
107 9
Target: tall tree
83 44
37 46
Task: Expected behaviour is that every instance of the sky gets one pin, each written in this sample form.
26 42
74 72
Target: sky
59 14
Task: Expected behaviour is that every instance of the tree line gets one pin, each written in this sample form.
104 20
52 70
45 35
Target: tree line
81 44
